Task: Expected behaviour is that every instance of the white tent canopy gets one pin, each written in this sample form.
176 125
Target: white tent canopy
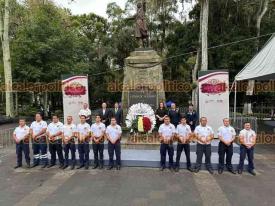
262 66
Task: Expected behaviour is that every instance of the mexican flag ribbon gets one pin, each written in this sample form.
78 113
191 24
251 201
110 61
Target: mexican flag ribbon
144 124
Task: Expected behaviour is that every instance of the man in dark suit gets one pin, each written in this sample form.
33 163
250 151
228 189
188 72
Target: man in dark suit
192 117
105 114
174 115
118 114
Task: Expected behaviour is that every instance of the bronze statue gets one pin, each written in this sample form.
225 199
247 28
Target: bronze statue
141 30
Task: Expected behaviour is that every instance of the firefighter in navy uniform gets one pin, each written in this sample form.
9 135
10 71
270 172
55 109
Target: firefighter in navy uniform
38 134
226 134
98 133
166 134
83 135
54 134
69 134
21 137
183 132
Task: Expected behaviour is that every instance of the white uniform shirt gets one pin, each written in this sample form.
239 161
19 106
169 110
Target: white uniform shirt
68 130
113 131
248 135
86 112
83 129
203 132
38 126
21 132
227 133
55 128
98 129
183 130
167 131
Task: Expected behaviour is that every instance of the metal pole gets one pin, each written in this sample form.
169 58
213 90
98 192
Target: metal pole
235 101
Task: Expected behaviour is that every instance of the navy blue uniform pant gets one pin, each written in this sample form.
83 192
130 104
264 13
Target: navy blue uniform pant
186 148
250 156
84 150
114 148
67 148
56 148
40 151
228 151
98 150
166 148
206 150
22 147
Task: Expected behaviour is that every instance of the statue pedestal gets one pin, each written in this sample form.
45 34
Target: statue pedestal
143 79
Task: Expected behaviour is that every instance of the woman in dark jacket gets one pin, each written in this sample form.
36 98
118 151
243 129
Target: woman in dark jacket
160 113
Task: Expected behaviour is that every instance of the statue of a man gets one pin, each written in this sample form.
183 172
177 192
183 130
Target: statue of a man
141 30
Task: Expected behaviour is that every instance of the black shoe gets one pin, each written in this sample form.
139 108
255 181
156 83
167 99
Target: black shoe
44 166
118 167
28 166
34 165
190 169
220 171
210 170
80 166
61 166
232 171
110 167
240 171
17 166
100 167
51 165
72 167
177 169
252 172
95 166
86 167
162 168
64 167
196 170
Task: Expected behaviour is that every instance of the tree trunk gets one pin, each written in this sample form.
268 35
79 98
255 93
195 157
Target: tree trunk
204 27
4 27
251 83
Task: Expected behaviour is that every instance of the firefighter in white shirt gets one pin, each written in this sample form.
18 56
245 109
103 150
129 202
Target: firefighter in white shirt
183 133
248 140
38 133
98 132
113 133
204 135
166 132
21 136
83 134
226 134
69 134
86 112
54 134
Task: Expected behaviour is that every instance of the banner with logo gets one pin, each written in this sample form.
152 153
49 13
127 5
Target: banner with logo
75 94
214 97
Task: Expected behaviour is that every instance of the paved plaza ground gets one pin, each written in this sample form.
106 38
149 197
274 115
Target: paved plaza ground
136 186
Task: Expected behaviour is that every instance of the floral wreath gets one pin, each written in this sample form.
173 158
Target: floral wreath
141 118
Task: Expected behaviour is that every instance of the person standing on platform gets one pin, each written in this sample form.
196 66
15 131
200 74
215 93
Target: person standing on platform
166 135
113 133
183 132
38 134
69 134
247 140
204 135
118 114
105 114
192 117
98 132
174 115
86 112
227 135
21 136
161 112
54 134
83 135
